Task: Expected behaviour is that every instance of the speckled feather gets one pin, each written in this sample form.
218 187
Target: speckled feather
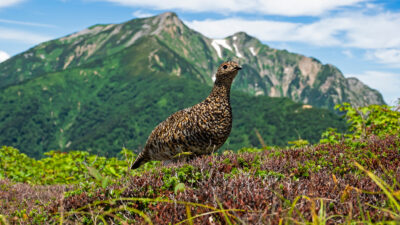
200 129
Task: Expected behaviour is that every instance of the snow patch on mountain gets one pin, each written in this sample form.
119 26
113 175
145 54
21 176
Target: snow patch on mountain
252 51
237 51
217 46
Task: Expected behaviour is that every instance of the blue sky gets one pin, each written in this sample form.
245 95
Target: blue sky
360 37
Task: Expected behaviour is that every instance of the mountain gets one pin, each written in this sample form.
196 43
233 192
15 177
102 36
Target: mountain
180 51
107 87
183 52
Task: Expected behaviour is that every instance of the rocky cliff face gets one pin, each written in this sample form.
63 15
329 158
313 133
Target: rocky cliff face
171 47
278 73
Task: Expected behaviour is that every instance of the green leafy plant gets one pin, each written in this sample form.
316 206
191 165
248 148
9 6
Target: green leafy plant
331 136
299 143
61 167
378 120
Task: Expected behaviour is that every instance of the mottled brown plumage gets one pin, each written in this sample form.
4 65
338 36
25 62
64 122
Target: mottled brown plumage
200 129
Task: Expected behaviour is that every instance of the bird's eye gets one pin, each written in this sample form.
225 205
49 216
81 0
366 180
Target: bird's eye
225 66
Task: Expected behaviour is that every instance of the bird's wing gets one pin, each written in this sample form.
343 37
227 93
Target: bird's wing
183 131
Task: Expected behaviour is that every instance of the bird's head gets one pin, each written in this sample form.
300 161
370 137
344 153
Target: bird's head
227 71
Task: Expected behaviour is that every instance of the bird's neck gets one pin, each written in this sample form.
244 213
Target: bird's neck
220 92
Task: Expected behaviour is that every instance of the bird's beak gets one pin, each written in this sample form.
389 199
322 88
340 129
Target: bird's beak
238 68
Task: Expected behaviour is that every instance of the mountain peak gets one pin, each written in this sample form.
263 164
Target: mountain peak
167 18
168 15
244 38
167 21
242 34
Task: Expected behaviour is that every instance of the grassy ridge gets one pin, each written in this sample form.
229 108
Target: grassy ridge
347 178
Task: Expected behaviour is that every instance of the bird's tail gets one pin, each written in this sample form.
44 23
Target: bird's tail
141 159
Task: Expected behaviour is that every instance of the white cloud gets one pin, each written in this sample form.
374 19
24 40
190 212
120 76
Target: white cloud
348 53
141 14
385 82
390 57
267 30
298 8
6 3
26 23
3 56
262 29
22 36
371 31
282 7
355 30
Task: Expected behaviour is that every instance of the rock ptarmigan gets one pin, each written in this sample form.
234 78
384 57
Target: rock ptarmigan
198 130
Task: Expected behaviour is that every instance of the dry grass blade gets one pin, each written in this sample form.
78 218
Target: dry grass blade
103 220
61 218
3 220
315 219
397 194
182 154
394 215
209 213
322 213
382 184
223 212
109 212
126 208
189 215
260 139
293 205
